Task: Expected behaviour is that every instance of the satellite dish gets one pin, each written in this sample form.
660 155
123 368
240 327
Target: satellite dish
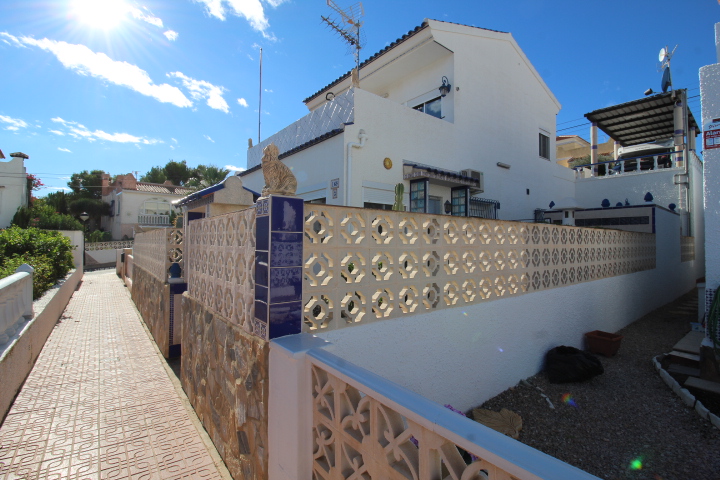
663 54
666 80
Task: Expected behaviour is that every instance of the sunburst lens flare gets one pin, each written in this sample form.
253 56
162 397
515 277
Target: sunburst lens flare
636 464
103 14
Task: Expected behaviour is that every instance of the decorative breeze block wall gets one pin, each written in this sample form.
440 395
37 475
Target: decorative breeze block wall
365 265
157 249
220 269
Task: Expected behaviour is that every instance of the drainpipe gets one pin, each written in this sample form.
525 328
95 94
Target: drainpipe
348 163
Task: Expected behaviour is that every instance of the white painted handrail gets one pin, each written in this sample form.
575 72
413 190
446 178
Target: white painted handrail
16 301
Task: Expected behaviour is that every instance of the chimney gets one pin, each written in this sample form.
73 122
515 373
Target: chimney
19 155
105 183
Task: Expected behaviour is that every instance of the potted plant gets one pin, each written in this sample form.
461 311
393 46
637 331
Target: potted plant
603 343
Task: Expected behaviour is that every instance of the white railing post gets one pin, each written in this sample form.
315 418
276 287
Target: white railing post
655 162
28 290
622 166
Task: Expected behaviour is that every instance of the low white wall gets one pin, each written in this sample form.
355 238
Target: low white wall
464 356
76 238
19 356
100 257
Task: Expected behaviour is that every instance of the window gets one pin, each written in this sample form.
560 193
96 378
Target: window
459 201
544 146
431 107
377 206
156 207
418 195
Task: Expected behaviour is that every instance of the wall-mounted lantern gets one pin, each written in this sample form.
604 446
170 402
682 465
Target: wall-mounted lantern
448 206
445 87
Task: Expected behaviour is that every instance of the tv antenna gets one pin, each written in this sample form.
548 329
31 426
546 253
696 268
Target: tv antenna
348 27
664 57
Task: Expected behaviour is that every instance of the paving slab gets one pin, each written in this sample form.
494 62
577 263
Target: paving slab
99 402
690 343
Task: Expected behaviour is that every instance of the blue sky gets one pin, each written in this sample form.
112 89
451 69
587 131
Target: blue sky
123 85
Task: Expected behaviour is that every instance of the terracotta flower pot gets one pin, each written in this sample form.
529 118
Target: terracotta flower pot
603 343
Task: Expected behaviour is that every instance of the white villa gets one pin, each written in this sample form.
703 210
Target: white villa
13 186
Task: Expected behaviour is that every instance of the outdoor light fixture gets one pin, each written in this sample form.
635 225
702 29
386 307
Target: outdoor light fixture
445 87
84 216
448 206
649 91
503 165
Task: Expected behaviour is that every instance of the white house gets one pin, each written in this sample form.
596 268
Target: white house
451 111
13 186
138 206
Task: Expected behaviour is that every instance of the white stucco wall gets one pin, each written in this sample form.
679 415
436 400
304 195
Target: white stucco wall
13 189
710 93
464 356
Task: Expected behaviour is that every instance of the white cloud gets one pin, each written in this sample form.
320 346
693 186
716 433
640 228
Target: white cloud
149 18
64 150
12 40
173 140
209 139
268 91
15 124
86 62
80 131
202 90
58 189
252 10
233 168
242 102
171 35
57 132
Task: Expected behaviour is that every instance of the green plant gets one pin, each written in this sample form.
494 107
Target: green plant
98 236
42 215
48 252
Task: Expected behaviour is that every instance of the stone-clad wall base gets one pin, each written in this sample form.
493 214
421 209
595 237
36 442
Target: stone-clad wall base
152 298
224 374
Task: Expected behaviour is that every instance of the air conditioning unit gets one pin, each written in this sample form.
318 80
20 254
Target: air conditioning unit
474 174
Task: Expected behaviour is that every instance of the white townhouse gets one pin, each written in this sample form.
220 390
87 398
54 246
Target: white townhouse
456 113
13 186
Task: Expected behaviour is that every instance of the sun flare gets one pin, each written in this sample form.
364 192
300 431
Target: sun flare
104 14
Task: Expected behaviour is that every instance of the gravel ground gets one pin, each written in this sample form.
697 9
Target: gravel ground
626 414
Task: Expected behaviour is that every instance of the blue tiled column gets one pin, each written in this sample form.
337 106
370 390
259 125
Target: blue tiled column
278 266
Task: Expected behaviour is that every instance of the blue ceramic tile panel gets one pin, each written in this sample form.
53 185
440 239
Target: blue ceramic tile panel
261 311
263 207
262 233
288 214
261 293
285 319
286 249
261 268
285 284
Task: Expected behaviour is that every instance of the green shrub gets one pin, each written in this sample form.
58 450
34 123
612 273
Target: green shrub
41 215
97 236
43 276
48 252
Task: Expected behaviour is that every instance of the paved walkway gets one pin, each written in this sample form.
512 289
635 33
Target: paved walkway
99 402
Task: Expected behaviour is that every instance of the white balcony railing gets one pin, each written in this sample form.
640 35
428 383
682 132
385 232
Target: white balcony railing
628 165
16 301
144 219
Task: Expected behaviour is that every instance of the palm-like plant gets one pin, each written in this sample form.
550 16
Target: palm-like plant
207 175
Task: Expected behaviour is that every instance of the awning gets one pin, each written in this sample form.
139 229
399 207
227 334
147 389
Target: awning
440 176
640 121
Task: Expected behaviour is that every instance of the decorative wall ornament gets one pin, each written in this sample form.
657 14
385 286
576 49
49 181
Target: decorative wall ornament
220 271
93 246
364 265
279 179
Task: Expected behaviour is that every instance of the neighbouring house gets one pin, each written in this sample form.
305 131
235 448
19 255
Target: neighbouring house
458 114
138 206
13 186
224 197
569 147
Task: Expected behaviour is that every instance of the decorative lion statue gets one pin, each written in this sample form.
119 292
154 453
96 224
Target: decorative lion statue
279 179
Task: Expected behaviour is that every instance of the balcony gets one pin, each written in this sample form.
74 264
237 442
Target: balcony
154 220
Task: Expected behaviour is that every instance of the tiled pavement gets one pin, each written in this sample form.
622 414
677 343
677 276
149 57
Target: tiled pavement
99 403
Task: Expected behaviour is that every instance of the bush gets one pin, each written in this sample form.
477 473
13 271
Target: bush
48 252
97 236
41 215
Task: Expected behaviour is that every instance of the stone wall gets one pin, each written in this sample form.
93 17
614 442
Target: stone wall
225 376
152 299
